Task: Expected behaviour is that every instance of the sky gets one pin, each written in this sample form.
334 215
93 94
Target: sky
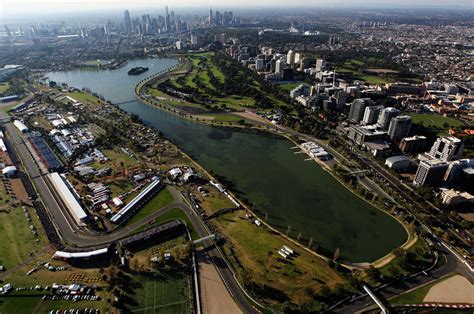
18 7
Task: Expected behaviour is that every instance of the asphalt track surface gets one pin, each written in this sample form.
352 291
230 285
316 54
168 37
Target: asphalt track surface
77 238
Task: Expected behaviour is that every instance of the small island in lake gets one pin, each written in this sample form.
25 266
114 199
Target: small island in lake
137 70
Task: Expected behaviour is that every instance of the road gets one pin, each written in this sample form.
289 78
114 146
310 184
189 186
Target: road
453 265
75 237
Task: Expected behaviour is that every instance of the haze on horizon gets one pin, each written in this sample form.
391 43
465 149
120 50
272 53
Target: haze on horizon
38 7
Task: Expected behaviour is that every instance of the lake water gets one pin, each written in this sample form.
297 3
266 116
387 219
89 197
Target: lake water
262 169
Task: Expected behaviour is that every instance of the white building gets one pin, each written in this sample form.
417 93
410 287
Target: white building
9 171
397 162
290 58
447 148
20 126
452 197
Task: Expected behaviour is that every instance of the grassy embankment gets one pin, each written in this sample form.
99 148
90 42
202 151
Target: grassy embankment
437 124
201 64
254 252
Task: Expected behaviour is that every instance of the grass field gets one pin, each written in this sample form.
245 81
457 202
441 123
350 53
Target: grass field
4 197
159 293
162 199
202 63
20 305
85 98
4 87
118 157
17 240
287 87
296 279
434 120
417 295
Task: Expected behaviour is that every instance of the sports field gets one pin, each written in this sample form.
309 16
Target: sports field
160 293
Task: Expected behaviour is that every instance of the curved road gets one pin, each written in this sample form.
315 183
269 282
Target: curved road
75 237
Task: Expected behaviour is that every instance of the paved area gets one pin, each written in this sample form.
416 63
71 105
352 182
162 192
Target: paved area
456 289
215 297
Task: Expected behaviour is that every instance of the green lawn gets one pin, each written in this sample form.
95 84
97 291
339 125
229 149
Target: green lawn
4 87
118 157
372 79
17 240
256 249
287 87
18 305
416 296
159 292
174 213
162 199
84 98
435 120
227 118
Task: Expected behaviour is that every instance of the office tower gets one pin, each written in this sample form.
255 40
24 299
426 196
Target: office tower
211 17
455 174
127 22
399 127
371 114
290 58
357 110
413 145
447 148
319 65
298 57
279 66
430 172
260 64
168 20
7 30
385 116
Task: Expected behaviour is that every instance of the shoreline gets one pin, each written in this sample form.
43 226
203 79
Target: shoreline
275 132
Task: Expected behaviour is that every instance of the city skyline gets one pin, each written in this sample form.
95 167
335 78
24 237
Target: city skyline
8 7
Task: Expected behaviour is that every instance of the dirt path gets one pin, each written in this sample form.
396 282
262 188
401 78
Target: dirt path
456 289
215 298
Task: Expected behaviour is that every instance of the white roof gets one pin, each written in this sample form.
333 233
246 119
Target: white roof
8 170
61 254
72 204
2 145
20 125
137 199
117 201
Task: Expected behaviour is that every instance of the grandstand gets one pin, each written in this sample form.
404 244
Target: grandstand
159 233
71 203
44 151
138 202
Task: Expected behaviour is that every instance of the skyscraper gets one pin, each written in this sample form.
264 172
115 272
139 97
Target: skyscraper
430 172
371 114
385 116
399 127
290 58
357 110
211 17
167 21
447 148
127 22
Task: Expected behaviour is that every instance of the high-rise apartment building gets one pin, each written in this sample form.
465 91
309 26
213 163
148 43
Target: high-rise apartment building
399 127
447 148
